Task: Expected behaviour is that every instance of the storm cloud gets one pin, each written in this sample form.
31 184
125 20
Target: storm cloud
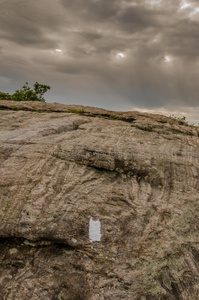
117 54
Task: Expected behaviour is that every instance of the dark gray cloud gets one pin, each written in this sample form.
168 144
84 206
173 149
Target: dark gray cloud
94 10
117 54
25 22
137 18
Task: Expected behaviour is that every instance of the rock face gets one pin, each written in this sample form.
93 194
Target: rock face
129 180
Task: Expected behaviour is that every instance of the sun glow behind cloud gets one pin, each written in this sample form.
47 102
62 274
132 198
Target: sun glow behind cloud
193 10
184 5
167 59
59 51
120 55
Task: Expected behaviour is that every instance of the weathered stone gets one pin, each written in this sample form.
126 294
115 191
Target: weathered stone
136 173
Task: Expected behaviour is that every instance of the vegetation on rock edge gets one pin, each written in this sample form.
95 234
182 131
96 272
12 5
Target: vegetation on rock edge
27 94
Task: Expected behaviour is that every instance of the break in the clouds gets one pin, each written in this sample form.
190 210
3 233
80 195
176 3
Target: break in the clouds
116 54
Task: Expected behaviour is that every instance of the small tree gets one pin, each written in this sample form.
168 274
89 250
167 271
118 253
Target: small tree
28 94
40 90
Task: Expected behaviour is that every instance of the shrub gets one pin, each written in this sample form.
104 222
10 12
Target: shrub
28 94
4 96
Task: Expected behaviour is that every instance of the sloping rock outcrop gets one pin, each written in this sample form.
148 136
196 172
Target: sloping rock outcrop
136 174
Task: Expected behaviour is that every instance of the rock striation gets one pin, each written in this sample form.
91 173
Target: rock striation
133 176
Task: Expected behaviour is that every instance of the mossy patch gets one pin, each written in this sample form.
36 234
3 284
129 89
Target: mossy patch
76 111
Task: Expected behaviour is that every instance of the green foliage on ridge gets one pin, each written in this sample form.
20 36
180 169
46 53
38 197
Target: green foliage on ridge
27 94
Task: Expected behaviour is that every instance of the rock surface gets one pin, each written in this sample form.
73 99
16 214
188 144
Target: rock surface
136 174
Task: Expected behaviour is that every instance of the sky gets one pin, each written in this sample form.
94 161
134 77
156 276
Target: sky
116 54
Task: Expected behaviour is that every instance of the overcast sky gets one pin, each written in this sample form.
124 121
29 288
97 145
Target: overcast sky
115 54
